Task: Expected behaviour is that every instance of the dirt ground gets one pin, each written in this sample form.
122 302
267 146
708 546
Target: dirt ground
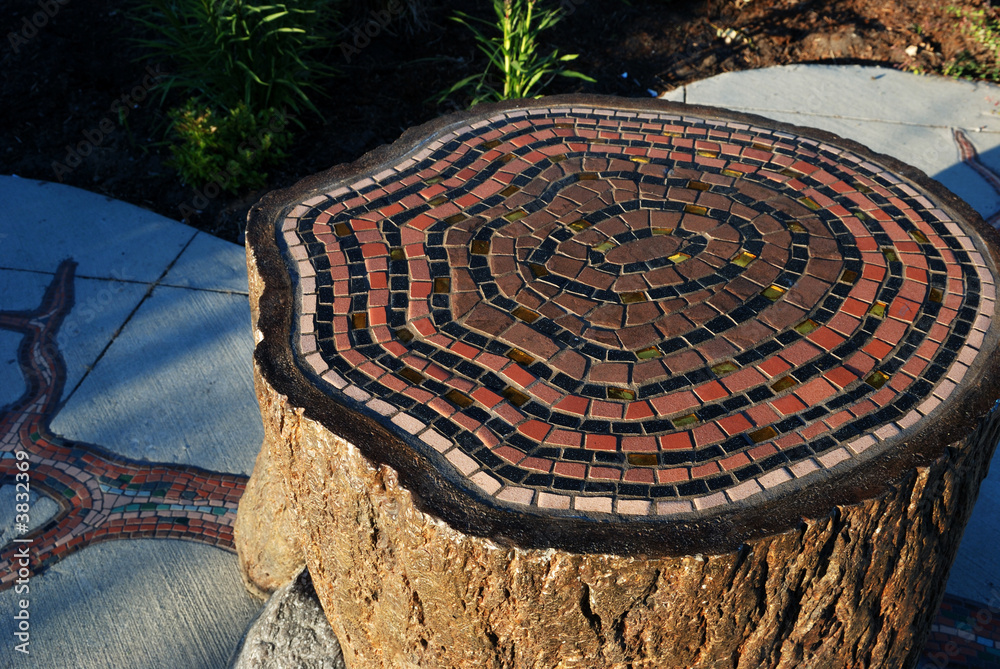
67 82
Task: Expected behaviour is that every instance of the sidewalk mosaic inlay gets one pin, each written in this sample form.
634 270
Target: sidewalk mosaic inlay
588 311
101 496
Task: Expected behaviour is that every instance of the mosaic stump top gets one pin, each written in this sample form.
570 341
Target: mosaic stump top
613 319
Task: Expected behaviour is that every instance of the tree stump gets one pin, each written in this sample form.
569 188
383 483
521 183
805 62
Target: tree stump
594 382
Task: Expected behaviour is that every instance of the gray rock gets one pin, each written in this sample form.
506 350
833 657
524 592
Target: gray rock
290 632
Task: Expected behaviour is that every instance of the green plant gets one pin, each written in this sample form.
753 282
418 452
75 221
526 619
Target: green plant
230 149
984 27
232 52
513 55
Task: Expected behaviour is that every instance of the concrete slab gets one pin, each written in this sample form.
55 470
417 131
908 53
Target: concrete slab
906 116
175 386
42 510
101 307
109 238
152 604
209 263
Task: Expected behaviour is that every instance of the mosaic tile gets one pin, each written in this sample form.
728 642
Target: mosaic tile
657 320
101 496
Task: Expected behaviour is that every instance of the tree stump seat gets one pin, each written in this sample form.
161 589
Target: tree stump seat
598 382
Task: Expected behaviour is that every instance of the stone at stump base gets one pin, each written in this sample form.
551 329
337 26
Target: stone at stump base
600 383
290 632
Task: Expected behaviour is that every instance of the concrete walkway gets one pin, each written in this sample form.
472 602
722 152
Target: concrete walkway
149 382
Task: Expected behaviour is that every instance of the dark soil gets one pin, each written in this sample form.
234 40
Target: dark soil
67 86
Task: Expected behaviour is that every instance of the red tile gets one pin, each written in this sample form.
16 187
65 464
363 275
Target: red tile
706 434
601 442
678 441
673 403
672 475
787 405
712 390
534 429
774 367
815 391
704 470
735 424
841 377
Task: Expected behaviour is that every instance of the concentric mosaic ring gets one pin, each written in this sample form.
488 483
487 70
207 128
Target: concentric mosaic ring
579 310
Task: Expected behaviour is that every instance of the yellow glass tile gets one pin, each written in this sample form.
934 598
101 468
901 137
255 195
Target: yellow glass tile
642 459
862 188
564 125
526 315
937 295
457 218
342 229
743 258
789 172
438 201
579 225
480 247
890 254
510 190
558 158
639 159
517 355
861 216
412 375
459 399
878 309
649 353
919 237
668 133
684 421
434 180
515 215
396 253
762 147
877 379
725 368
515 396
662 231
442 285
404 335
806 326
604 247
848 276
698 185
678 258
773 292
359 321
539 270
784 383
707 154
736 174
633 298
696 209
587 176
621 394
795 226
809 202
507 157
492 144
763 434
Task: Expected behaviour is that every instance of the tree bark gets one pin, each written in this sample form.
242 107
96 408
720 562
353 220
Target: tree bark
856 588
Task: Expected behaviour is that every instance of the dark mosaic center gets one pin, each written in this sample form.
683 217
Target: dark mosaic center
616 312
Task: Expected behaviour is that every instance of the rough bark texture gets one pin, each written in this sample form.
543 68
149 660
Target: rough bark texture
402 589
270 553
